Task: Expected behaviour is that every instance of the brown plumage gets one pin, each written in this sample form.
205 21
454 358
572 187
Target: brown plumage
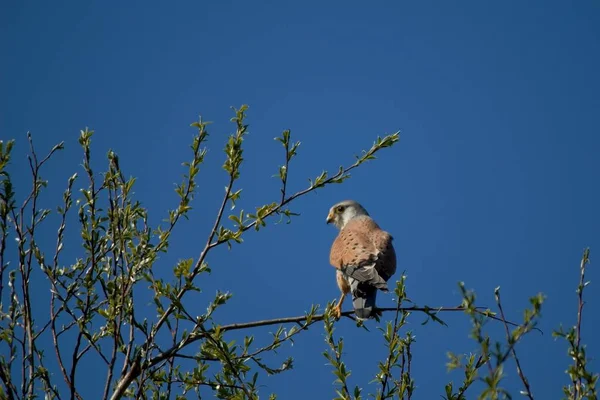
363 255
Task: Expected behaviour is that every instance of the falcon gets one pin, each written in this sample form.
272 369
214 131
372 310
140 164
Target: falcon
363 256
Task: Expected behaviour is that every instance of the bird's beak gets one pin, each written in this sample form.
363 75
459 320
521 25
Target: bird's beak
330 217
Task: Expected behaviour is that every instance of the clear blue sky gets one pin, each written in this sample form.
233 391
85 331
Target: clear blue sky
495 180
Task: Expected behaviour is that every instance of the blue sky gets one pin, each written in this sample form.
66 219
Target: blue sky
494 181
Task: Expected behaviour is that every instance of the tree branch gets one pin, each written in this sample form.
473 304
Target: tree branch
512 349
308 319
320 317
584 261
393 340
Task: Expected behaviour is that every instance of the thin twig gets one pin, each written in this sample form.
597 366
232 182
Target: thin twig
11 390
213 385
26 272
55 335
391 353
338 364
116 223
284 177
409 363
513 351
584 261
402 368
171 361
480 362
46 378
223 352
201 259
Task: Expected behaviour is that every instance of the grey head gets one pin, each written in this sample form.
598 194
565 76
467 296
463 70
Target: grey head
344 211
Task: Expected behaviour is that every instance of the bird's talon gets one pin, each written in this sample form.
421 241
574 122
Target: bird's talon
337 312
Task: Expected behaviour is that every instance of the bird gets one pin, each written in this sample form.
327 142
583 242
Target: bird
363 255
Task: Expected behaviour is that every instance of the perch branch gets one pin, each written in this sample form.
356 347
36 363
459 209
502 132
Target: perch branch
303 318
319 317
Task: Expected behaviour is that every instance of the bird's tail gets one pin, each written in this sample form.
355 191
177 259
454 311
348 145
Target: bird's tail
363 299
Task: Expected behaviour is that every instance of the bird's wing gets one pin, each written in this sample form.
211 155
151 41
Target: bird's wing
386 259
355 253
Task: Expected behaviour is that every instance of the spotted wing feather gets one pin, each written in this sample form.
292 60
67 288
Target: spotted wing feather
363 251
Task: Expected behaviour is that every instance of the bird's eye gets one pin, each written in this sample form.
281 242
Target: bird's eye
340 209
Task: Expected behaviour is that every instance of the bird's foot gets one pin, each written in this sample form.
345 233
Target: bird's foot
337 312
377 314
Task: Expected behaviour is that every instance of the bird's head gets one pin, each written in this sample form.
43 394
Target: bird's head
344 211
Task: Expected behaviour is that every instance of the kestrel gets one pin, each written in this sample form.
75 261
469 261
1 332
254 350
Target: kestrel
363 255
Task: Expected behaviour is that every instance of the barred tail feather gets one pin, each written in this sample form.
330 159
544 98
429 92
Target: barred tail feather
363 299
